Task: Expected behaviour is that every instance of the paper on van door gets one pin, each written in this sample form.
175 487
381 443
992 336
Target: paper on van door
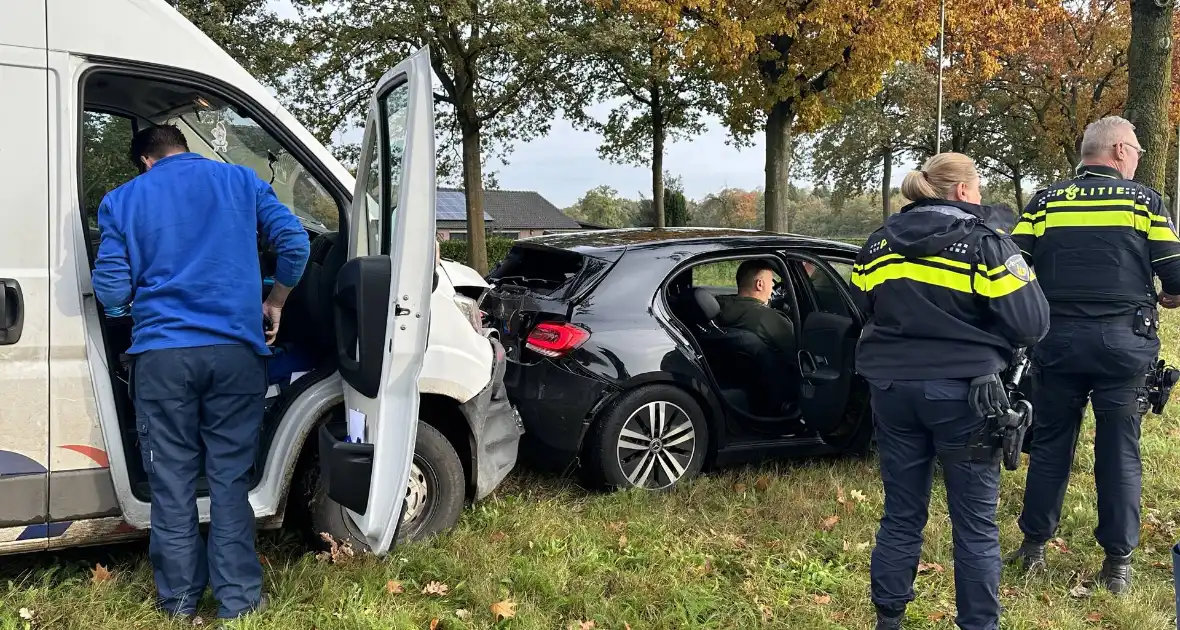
356 426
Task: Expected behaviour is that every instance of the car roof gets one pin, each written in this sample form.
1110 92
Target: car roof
612 243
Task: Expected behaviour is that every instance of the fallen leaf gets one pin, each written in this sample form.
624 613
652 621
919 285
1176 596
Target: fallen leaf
858 495
1094 616
503 610
436 588
394 587
26 614
767 612
829 522
626 626
100 574
1059 545
739 488
499 537
708 567
1079 592
847 546
584 625
925 567
838 615
762 484
822 600
1008 591
434 624
617 527
463 614
263 560
937 615
1161 565
862 546
623 541
840 495
197 621
1045 598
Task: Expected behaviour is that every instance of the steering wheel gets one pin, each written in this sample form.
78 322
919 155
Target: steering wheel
779 297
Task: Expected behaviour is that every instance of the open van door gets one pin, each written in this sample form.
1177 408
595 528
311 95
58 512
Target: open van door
382 303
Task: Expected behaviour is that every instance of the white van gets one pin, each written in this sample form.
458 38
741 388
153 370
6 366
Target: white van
431 426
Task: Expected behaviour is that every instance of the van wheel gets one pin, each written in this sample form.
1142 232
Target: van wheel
434 499
652 437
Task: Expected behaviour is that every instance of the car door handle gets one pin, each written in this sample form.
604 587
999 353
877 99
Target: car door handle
12 311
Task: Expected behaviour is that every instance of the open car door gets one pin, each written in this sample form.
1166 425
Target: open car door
382 302
832 398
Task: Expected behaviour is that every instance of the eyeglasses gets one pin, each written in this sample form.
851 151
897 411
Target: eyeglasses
1140 150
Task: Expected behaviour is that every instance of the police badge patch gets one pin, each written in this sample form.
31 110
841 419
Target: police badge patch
1018 267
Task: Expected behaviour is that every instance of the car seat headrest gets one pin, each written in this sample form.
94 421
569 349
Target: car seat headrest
706 304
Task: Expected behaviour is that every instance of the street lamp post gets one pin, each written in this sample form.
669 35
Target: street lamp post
941 45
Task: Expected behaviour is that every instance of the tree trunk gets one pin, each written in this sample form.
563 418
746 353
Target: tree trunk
779 151
1018 188
477 250
657 159
886 180
1149 70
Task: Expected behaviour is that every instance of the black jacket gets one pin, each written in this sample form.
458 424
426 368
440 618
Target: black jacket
946 295
1096 241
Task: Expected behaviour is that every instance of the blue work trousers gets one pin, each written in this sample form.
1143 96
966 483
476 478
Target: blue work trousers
917 421
1104 363
201 408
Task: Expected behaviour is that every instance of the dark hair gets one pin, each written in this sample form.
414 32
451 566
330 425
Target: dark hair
748 271
156 142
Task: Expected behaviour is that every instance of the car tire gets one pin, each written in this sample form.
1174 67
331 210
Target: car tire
434 497
632 448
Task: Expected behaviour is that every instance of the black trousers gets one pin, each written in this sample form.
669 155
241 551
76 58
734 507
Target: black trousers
1104 363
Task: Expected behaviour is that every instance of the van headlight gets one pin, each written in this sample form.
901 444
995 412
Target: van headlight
471 309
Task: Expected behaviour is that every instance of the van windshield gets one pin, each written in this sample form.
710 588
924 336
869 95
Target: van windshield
220 133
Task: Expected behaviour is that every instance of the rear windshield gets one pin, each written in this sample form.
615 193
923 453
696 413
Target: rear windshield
549 272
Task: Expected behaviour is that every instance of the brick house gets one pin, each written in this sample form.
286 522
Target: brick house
508 213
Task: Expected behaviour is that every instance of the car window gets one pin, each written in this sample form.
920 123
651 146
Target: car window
221 133
826 287
843 268
722 274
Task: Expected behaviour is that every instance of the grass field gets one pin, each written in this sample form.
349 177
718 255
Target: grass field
782 546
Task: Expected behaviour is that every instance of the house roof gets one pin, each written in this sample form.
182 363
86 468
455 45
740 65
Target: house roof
518 209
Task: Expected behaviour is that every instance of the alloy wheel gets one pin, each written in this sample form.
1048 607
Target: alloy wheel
656 444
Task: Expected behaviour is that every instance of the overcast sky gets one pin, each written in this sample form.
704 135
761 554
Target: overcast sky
565 164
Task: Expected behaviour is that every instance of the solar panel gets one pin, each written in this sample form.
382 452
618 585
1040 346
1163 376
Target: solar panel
451 205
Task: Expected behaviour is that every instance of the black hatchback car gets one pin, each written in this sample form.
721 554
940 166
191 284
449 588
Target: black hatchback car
616 361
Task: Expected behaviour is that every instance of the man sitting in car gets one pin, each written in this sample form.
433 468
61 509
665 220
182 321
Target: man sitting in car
749 309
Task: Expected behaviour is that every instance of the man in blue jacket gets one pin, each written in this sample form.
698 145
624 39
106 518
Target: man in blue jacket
180 245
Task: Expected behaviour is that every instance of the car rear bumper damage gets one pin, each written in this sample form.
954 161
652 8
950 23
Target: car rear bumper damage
496 427
555 405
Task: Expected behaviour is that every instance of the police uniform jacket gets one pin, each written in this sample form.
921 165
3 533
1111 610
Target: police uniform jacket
1096 241
946 295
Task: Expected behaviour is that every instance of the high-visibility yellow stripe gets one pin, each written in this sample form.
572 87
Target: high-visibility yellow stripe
1027 228
993 284
908 270
1098 218
869 267
993 288
1092 203
1162 233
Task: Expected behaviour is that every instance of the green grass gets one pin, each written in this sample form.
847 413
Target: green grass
736 549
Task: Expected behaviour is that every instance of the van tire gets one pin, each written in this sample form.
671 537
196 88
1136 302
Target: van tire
437 467
608 460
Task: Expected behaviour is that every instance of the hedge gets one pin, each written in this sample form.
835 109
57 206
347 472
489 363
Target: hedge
457 250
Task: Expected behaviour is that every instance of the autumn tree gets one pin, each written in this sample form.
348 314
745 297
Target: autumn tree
640 67
249 30
1149 89
497 62
783 63
603 206
872 135
676 208
731 207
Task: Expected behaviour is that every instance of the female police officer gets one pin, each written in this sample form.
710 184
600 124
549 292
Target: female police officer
947 298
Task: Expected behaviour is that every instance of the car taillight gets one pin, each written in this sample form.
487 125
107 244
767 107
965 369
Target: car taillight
556 340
